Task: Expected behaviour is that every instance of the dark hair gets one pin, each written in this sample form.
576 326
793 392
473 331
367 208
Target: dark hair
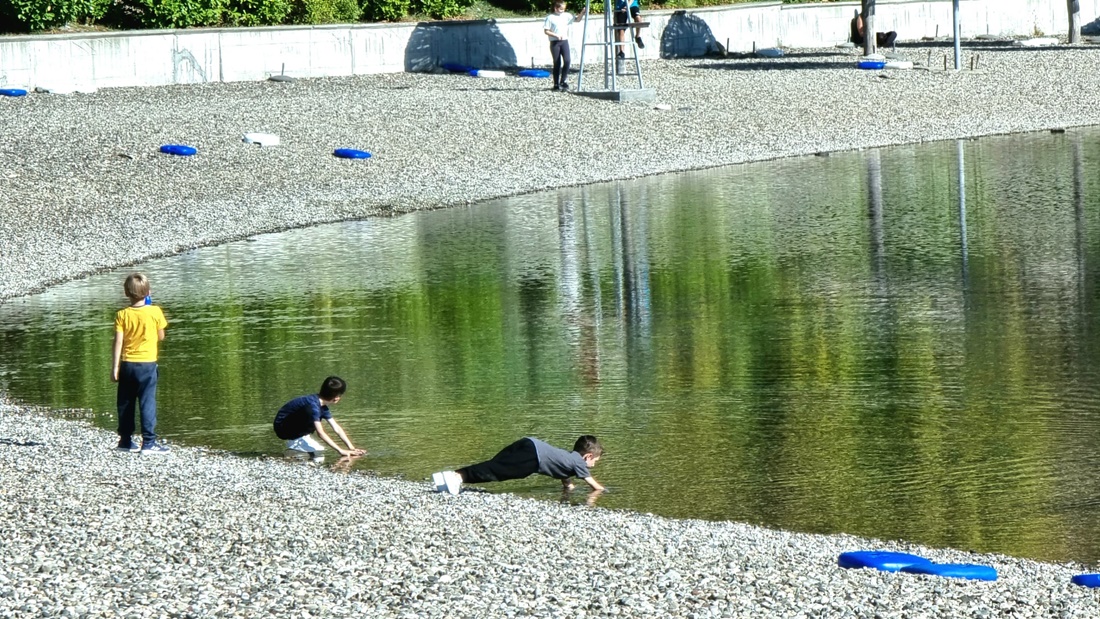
332 387
588 444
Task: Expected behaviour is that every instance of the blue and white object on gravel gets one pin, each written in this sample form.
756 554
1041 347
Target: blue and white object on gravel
884 560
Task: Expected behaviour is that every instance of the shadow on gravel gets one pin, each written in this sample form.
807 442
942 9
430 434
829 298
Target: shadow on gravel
15 443
846 54
772 65
985 46
795 61
502 89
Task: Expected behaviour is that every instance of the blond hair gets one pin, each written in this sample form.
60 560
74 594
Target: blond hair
136 286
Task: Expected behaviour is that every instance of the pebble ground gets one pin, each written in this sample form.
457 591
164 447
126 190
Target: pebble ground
88 532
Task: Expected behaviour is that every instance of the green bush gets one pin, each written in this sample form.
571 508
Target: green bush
542 7
30 15
257 12
385 10
166 13
34 15
442 9
325 12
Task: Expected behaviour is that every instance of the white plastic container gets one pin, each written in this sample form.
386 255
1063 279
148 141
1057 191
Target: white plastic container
263 139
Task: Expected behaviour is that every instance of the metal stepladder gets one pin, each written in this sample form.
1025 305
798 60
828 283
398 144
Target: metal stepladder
610 46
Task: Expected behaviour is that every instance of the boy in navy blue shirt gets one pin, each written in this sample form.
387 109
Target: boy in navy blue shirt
526 457
301 417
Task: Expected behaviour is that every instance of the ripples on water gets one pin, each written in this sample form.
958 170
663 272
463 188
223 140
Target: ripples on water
813 344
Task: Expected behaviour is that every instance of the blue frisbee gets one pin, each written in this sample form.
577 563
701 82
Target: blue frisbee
953 570
880 560
533 73
13 92
182 150
351 153
1086 580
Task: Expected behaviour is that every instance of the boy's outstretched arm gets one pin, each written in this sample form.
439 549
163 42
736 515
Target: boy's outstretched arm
320 430
352 451
591 481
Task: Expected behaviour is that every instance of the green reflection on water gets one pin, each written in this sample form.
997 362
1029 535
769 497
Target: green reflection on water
809 344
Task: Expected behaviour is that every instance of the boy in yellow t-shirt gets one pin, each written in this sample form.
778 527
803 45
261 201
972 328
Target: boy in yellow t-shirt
138 329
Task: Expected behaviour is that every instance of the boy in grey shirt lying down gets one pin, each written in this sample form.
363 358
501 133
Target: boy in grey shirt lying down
526 457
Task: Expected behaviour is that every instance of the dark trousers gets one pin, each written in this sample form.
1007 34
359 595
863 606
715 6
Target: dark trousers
559 51
882 39
515 461
137 387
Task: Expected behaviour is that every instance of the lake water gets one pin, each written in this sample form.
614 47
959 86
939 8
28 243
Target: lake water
870 342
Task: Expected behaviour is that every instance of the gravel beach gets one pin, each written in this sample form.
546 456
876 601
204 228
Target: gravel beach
88 532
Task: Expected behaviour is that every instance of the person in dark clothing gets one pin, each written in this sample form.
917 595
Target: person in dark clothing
302 416
882 39
556 27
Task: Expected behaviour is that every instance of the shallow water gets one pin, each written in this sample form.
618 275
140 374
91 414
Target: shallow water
831 344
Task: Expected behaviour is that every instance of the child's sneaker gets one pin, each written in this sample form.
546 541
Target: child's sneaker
305 443
638 42
127 447
452 481
155 449
447 481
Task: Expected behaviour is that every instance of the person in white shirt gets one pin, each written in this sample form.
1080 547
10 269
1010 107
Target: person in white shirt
556 28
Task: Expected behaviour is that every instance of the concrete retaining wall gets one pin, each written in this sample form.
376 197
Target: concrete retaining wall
161 57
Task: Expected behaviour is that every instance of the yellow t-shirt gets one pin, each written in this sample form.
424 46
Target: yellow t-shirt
139 327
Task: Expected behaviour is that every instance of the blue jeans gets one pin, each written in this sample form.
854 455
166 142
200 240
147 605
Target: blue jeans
137 386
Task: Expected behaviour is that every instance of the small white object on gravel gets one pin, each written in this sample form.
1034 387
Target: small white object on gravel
262 139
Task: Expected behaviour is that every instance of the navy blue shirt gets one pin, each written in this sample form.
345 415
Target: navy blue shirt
295 419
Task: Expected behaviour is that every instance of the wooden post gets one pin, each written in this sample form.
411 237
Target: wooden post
1074 7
